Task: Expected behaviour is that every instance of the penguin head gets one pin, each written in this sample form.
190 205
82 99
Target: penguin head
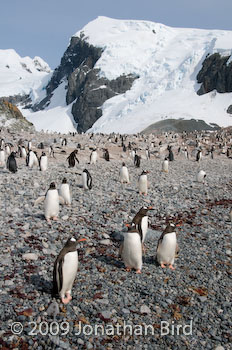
123 164
43 154
170 228
52 186
64 181
144 172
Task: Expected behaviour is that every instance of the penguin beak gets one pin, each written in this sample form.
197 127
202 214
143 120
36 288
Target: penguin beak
178 225
127 225
82 240
151 208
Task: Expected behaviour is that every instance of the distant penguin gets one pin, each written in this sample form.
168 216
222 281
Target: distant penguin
140 221
132 154
148 155
143 183
2 158
165 165
106 155
170 155
64 192
124 174
32 159
51 203
72 158
137 160
201 175
23 152
131 249
167 246
65 270
93 156
8 149
43 162
11 163
29 145
186 153
87 181
198 156
51 151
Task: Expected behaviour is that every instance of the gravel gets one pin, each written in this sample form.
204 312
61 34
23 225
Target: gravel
112 308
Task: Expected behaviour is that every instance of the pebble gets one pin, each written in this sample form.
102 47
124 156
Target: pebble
30 256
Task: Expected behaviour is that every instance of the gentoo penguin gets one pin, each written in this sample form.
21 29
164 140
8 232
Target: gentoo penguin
51 151
137 160
43 162
29 145
64 192
148 155
201 175
131 249
2 158
11 163
198 156
87 181
124 174
140 221
93 156
32 159
65 270
51 203
143 183
170 155
167 246
8 149
106 155
72 158
165 165
23 152
186 153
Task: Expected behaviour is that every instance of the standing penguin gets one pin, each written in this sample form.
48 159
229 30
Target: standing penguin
199 155
2 158
131 249
148 155
64 191
11 163
51 202
65 270
170 155
141 221
137 160
165 165
167 246
124 174
23 152
106 155
72 158
143 183
201 175
86 180
32 159
93 156
43 162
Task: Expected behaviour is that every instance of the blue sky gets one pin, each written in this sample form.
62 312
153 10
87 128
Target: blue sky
43 27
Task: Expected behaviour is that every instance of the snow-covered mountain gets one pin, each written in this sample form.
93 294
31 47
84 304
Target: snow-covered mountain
23 75
124 75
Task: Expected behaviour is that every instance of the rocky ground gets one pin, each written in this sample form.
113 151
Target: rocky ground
130 310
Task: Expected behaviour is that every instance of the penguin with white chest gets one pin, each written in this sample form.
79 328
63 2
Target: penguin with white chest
93 156
165 165
131 249
201 175
87 181
2 158
65 270
167 247
124 174
51 203
64 192
43 162
143 183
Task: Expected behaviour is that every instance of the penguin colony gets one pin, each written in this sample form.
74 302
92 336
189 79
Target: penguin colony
132 248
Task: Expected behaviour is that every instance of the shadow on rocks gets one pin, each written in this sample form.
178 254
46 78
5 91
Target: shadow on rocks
41 284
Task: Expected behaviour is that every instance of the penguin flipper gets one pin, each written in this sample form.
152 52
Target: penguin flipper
120 250
39 200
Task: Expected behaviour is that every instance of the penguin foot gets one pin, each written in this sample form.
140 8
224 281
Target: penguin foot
163 266
128 269
171 267
48 220
55 218
138 271
65 300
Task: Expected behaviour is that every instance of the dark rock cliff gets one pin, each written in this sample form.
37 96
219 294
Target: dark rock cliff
215 74
85 88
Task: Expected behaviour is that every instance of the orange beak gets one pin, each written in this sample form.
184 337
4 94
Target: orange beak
81 239
178 225
127 225
150 208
